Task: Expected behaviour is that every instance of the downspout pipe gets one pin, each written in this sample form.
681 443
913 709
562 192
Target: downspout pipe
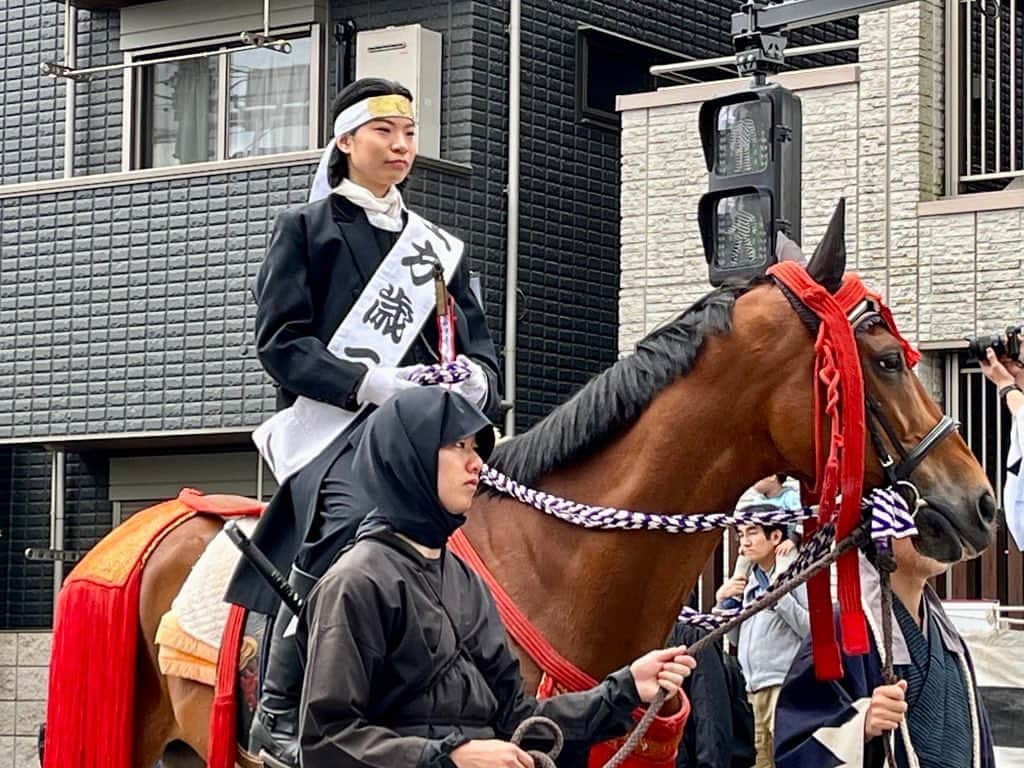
57 497
70 61
512 226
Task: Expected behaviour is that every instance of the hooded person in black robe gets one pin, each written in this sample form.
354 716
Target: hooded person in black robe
407 660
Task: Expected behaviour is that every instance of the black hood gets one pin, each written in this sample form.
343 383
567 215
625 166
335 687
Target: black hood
396 461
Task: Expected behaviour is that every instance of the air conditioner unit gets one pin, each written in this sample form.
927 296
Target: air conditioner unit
412 56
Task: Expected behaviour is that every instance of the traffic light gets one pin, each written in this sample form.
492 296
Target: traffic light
751 145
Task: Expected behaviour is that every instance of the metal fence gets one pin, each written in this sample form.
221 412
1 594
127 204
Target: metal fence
999 573
984 75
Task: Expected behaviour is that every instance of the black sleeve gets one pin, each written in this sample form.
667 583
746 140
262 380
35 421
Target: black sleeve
285 337
344 631
474 338
709 727
604 712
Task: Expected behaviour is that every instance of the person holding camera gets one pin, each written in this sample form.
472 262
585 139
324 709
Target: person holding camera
1008 375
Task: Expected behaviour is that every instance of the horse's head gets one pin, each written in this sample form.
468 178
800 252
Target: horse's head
957 510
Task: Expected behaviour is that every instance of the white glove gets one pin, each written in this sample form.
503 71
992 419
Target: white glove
381 383
474 388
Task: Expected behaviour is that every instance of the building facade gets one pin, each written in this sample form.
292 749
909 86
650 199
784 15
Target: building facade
922 137
136 204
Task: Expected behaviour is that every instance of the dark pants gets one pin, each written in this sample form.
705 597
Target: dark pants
339 511
312 517
332 526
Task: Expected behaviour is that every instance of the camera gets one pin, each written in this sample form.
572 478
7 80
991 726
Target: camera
1004 345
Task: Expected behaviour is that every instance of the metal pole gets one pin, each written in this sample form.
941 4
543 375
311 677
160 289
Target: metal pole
795 14
54 70
57 470
512 225
70 59
969 81
722 61
999 91
1013 85
953 99
259 477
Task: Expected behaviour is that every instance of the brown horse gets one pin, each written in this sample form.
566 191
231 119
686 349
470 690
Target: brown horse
710 403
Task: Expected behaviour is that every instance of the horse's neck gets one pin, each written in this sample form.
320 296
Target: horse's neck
603 598
600 598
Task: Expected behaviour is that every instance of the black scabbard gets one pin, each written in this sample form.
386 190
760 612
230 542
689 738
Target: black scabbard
264 567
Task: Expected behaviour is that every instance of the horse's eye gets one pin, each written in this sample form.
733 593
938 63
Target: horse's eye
891 363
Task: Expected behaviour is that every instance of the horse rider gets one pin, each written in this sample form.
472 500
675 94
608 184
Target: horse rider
341 326
407 661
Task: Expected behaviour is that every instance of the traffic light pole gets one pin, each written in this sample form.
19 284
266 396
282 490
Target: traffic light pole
794 14
759 28
752 140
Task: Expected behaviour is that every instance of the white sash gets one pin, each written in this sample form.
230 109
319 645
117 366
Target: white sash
378 330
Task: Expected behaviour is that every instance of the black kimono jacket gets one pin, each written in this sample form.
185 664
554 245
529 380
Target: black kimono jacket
821 724
407 659
319 260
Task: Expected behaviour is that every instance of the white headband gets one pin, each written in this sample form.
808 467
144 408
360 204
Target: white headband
360 113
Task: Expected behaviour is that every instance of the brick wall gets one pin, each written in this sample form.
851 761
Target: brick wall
24 660
147 282
26 588
32 131
99 101
879 142
125 307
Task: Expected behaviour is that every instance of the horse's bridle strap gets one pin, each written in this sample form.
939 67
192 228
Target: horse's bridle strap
946 427
908 461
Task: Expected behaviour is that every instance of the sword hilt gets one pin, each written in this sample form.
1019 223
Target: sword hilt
54 555
440 290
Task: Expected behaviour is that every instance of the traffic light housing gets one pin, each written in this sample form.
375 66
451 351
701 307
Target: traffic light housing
752 147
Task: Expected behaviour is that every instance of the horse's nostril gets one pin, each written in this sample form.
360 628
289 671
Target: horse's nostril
987 507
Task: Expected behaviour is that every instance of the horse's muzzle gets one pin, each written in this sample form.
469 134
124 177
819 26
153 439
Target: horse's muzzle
950 535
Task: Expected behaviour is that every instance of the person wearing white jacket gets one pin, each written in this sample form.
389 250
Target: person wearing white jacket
1008 376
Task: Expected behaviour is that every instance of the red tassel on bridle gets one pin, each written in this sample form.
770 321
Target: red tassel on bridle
839 403
839 408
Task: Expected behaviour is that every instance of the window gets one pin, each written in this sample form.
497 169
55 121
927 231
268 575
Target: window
235 104
608 65
179 108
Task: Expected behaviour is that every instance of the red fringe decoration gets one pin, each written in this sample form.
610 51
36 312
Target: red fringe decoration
223 739
839 407
91 698
90 709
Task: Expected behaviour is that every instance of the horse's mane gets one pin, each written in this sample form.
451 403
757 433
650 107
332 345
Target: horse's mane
616 397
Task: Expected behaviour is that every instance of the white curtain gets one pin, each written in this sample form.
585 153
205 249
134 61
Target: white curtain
268 101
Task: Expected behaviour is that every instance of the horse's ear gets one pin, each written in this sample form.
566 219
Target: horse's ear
829 261
787 250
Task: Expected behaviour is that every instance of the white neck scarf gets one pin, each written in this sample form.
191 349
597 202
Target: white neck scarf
383 212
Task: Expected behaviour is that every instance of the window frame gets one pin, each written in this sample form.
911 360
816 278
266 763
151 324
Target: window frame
133 106
586 114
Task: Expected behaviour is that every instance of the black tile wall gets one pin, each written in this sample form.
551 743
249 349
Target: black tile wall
125 308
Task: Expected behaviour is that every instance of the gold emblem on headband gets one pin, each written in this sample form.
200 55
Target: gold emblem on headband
392 105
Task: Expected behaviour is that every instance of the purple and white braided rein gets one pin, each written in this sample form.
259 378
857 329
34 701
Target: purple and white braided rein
890 517
442 373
